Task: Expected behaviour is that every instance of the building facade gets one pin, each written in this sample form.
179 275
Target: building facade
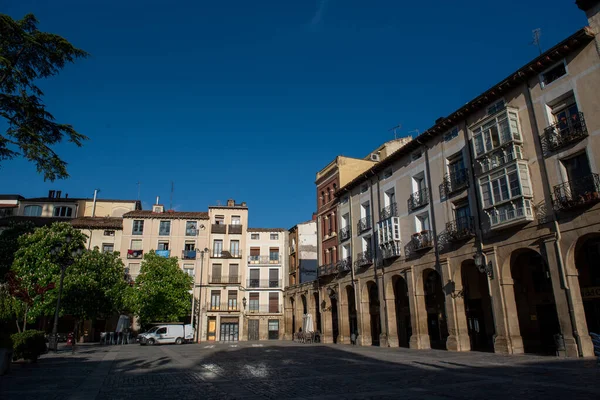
267 268
484 230
302 252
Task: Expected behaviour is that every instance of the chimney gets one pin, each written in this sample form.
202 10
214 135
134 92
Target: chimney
592 12
157 199
244 204
230 203
50 194
66 195
314 216
58 193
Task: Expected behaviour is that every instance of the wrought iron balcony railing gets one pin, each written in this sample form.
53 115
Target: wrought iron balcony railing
345 233
235 229
327 269
264 309
418 199
565 132
576 193
455 181
390 251
220 279
264 283
460 229
363 259
218 228
215 306
344 264
389 211
272 259
188 255
422 241
232 253
364 224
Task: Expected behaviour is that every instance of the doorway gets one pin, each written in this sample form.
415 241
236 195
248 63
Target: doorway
253 328
435 303
211 329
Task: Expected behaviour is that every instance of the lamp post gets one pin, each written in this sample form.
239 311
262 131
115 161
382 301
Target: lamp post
197 331
65 263
482 266
244 302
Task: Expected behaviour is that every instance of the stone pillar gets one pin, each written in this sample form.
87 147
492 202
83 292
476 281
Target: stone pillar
392 335
326 323
343 320
560 298
456 317
508 338
288 334
364 335
418 313
587 347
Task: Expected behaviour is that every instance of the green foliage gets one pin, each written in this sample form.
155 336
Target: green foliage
27 55
9 245
36 268
94 286
161 291
28 345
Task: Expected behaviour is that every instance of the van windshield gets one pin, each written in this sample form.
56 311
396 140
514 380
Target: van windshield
152 330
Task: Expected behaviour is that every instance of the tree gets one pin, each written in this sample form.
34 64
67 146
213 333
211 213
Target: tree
36 268
9 245
26 55
94 286
162 291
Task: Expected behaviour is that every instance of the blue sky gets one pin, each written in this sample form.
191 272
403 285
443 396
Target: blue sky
249 99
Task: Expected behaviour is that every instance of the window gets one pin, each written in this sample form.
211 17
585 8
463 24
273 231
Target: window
496 132
234 248
216 273
32 211
255 236
136 244
273 302
164 228
215 299
554 73
109 233
451 134
274 255
189 269
422 222
274 236
189 246
322 197
496 107
134 269
366 244
219 219
346 251
254 280
234 273
389 197
163 246
565 110
63 211
273 277
254 302
273 328
232 300
217 247
138 227
191 228
236 220
162 331
108 247
505 184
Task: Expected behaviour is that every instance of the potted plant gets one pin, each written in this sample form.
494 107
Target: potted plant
6 353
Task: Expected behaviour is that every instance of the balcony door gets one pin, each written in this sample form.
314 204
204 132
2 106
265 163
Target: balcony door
566 114
579 175
462 212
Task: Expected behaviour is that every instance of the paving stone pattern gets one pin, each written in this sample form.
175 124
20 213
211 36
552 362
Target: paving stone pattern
284 370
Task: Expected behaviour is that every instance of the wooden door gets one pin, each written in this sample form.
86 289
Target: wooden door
212 329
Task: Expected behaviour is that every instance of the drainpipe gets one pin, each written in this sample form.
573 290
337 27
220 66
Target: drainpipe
385 309
433 227
557 233
352 275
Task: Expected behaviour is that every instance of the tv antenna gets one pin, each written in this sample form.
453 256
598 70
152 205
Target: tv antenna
415 130
395 130
537 33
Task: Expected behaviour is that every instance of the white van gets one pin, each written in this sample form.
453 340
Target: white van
167 333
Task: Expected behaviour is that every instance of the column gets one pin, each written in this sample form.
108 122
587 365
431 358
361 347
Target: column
383 320
343 318
392 326
456 317
364 316
418 312
587 348
326 324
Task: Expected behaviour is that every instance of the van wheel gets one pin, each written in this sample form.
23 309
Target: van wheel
179 341
151 342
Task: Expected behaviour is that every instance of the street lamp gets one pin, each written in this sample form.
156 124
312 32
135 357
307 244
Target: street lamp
65 263
244 302
197 332
482 266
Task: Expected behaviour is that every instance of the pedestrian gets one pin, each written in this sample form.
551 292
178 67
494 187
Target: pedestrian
353 338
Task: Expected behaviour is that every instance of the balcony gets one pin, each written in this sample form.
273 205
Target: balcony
235 229
264 260
218 228
418 199
389 211
263 283
264 309
462 228
135 254
327 269
422 241
188 255
163 253
514 212
390 251
345 233
455 181
220 280
364 224
344 264
363 259
564 132
233 253
577 193
231 306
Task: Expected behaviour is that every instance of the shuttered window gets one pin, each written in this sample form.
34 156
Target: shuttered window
273 302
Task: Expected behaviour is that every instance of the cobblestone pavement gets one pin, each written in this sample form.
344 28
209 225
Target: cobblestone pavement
284 370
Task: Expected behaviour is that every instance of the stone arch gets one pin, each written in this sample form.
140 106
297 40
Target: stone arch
477 306
585 256
350 297
435 304
399 293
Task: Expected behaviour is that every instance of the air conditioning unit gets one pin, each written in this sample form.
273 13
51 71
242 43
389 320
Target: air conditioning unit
374 157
